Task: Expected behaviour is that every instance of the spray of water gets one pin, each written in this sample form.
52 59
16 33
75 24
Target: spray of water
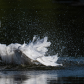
28 53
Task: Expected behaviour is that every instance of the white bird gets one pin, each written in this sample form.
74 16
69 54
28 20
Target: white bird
28 53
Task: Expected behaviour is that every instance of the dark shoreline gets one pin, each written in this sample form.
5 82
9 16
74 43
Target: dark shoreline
26 68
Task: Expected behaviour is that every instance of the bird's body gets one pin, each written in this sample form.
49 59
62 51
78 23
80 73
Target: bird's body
28 53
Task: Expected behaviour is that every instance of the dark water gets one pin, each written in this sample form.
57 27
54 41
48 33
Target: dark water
64 76
20 20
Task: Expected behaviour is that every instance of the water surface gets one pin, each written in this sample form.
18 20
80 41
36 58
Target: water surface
63 76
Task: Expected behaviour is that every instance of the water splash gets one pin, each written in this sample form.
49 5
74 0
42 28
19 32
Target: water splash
28 53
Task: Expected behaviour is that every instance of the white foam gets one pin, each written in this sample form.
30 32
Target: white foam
27 53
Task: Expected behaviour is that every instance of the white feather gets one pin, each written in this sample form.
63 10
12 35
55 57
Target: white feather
27 53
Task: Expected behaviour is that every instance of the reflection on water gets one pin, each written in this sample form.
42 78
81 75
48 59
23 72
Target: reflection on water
42 77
